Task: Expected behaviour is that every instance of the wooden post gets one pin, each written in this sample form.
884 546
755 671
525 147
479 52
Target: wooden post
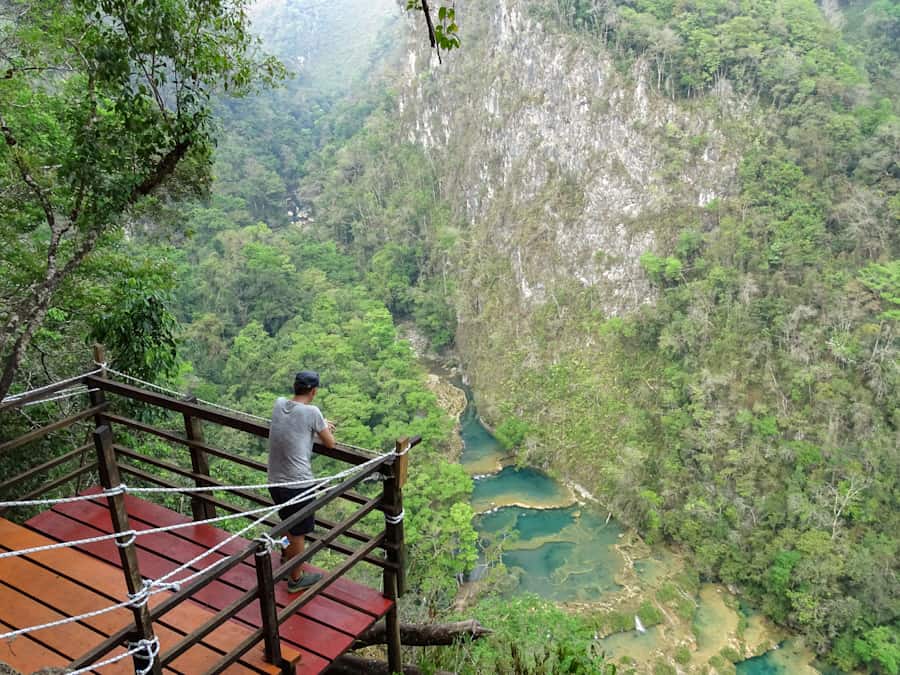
96 398
193 429
99 396
268 609
110 478
395 578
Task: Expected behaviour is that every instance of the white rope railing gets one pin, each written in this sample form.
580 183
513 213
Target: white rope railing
394 520
178 394
151 647
319 482
162 583
66 393
18 397
123 488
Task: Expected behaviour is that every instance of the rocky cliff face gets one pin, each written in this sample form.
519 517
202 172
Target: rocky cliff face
566 170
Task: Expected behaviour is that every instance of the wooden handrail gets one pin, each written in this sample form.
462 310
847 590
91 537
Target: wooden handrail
46 466
50 428
173 437
340 452
212 450
62 480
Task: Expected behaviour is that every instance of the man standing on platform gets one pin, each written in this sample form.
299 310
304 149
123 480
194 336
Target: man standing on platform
296 426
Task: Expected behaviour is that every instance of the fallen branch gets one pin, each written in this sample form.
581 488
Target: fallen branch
424 634
348 664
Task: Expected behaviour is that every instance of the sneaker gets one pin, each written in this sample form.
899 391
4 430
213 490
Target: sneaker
307 580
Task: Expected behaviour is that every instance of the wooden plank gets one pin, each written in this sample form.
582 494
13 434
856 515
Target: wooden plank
50 428
64 597
323 609
90 584
26 655
70 598
345 591
71 639
298 630
42 584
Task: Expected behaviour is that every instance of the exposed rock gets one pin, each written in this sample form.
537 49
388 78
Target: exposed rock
566 171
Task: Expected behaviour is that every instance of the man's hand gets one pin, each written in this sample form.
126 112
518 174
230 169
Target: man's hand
326 436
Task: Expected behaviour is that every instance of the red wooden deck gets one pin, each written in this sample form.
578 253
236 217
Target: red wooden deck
322 630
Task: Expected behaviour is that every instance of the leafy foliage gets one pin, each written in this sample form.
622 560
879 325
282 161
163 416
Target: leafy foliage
101 102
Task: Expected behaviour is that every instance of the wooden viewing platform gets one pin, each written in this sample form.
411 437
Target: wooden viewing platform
234 617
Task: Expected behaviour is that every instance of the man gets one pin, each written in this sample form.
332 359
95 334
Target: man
296 424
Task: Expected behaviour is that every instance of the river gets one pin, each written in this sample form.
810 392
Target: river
564 549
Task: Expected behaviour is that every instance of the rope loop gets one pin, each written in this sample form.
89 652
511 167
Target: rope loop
124 543
119 489
165 586
394 520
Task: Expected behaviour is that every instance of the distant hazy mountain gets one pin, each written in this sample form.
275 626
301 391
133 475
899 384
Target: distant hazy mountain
330 44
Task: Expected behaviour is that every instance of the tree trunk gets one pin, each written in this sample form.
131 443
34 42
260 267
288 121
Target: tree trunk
348 664
425 635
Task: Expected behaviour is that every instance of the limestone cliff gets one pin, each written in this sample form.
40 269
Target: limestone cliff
565 168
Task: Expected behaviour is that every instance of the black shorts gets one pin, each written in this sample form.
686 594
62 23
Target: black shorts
282 494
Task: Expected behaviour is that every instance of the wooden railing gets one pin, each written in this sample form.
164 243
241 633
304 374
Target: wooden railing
384 549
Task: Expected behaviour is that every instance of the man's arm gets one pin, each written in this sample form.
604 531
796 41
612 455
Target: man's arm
326 436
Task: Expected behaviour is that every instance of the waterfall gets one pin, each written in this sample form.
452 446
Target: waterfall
638 626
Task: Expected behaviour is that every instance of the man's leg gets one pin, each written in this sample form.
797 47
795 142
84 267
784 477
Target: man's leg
296 547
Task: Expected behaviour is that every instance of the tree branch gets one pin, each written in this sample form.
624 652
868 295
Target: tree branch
425 635
164 168
25 174
431 35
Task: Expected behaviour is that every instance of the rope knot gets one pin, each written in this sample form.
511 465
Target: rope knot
140 597
394 520
271 543
150 647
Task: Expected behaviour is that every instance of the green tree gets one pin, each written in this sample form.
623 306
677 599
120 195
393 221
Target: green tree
101 103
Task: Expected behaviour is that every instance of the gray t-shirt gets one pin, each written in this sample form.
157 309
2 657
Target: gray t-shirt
291 436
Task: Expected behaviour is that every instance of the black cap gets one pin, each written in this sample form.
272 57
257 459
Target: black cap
307 379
